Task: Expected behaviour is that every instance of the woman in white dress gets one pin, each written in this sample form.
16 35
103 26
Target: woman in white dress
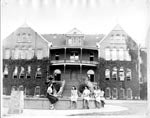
97 93
102 98
86 98
74 97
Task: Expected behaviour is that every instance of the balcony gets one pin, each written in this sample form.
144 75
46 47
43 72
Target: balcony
74 62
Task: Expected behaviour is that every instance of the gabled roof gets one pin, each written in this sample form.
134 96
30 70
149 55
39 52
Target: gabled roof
118 27
90 40
75 31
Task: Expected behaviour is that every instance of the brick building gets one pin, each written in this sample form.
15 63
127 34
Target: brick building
109 61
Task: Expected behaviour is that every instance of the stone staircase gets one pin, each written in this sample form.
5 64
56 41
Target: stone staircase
68 86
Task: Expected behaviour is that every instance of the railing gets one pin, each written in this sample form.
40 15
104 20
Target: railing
74 62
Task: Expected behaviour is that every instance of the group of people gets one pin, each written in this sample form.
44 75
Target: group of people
86 95
97 94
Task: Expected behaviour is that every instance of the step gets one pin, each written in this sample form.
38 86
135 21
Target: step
43 103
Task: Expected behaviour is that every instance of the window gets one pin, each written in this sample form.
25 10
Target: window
22 54
121 74
74 56
114 93
37 91
15 72
91 75
114 54
91 57
4 91
19 38
122 93
27 92
107 54
129 93
128 74
7 54
107 93
38 73
28 76
70 41
107 74
112 37
13 88
127 55
29 37
21 88
22 73
16 53
57 56
30 53
121 54
114 73
6 71
117 36
39 54
57 75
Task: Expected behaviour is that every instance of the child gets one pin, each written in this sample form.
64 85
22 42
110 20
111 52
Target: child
86 97
74 97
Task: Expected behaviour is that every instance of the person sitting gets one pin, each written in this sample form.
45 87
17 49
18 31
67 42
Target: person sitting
102 98
74 97
53 99
97 97
86 97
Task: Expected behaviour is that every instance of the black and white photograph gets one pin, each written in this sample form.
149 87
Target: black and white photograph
75 58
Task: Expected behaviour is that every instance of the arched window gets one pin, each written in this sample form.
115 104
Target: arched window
15 73
122 93
129 93
114 93
107 93
38 73
121 54
121 74
37 91
5 71
128 74
39 54
28 73
57 75
107 54
91 75
114 73
107 74
114 54
22 73
7 54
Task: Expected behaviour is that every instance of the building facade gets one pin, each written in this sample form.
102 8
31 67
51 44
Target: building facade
109 61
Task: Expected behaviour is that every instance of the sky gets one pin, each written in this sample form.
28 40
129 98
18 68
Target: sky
89 16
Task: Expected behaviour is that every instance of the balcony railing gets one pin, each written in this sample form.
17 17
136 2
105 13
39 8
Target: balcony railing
83 62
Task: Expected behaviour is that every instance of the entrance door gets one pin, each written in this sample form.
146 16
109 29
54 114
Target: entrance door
74 75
